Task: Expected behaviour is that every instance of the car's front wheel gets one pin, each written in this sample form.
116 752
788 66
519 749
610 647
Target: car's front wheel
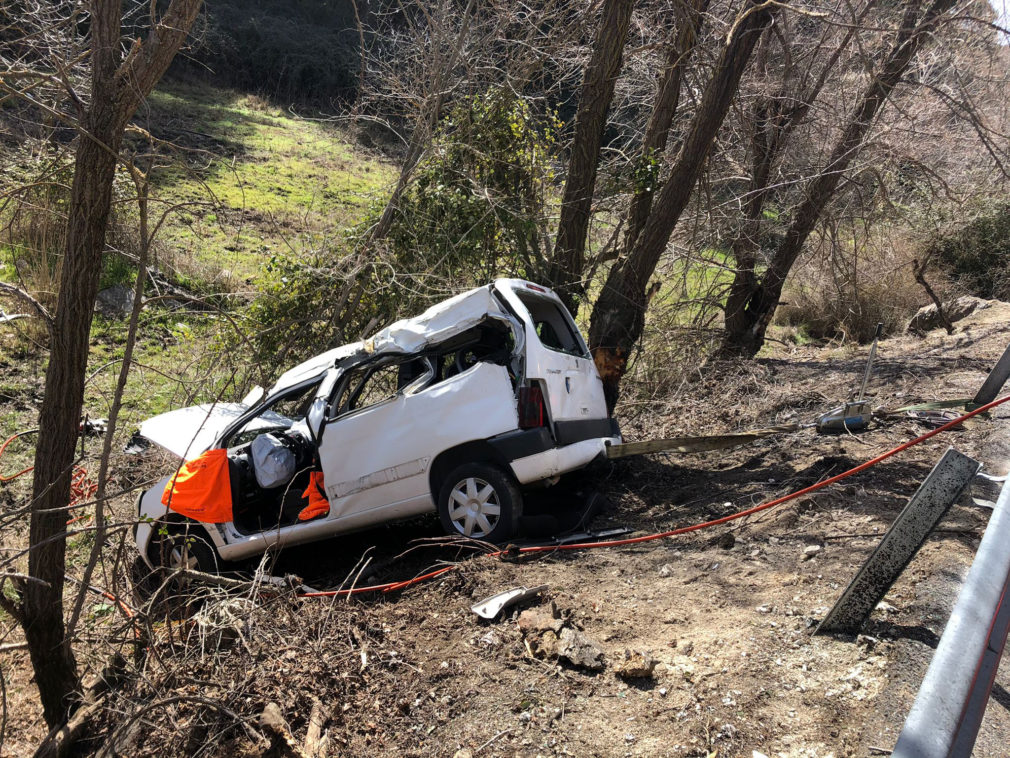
176 547
481 501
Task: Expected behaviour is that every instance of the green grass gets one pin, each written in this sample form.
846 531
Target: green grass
255 178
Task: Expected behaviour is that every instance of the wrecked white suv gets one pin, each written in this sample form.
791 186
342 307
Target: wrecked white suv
454 410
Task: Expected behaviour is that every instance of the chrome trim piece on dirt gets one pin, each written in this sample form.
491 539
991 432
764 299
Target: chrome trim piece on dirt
939 490
948 710
492 606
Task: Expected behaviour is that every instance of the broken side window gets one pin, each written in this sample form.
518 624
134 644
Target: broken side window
553 325
490 342
370 385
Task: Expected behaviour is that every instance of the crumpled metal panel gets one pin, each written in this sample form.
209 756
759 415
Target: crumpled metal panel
437 324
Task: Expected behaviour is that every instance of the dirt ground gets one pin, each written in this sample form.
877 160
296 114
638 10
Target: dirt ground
726 613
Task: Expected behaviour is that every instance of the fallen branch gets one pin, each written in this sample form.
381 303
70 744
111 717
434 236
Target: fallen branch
281 738
30 301
315 742
60 740
269 585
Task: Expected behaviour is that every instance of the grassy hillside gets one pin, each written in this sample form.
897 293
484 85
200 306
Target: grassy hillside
246 180
256 177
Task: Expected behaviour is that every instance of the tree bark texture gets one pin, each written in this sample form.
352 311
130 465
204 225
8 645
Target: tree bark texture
754 300
117 90
618 315
664 109
568 262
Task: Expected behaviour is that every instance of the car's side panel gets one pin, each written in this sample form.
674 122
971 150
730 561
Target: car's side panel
381 455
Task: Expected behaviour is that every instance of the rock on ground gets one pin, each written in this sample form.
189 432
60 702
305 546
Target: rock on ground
928 317
115 301
579 650
635 665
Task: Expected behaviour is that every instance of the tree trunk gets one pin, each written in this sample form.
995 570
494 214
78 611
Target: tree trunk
91 197
664 108
590 121
619 314
755 300
117 89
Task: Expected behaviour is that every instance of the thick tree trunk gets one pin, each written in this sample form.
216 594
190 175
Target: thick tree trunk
598 84
118 86
619 314
52 658
755 301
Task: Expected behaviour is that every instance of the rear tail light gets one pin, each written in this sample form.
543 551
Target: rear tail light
531 407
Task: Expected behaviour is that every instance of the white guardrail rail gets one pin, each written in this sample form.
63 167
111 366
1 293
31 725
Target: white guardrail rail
947 713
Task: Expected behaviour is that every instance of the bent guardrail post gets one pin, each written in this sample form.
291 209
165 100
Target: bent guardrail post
995 381
902 540
948 710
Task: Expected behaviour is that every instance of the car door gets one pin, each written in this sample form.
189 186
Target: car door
557 356
380 438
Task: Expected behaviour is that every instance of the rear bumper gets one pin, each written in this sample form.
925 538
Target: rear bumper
560 460
523 443
570 432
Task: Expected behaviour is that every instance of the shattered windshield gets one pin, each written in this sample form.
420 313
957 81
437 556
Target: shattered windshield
282 413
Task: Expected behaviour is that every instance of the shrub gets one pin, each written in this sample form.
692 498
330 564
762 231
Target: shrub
310 302
476 207
474 211
977 255
839 297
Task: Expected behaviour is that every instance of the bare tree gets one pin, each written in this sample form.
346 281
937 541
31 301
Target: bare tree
123 72
568 262
754 298
618 315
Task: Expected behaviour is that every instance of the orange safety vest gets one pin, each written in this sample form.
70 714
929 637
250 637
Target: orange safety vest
318 505
201 489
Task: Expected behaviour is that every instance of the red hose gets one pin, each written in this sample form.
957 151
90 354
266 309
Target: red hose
391 586
81 486
12 477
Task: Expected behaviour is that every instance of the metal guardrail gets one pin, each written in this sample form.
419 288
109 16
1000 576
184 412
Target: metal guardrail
947 713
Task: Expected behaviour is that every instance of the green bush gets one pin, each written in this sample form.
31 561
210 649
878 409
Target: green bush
476 207
977 256
474 211
309 303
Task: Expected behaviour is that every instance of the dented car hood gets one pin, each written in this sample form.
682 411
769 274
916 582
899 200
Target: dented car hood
188 432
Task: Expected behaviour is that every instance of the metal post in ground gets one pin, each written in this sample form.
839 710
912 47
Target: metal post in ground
938 491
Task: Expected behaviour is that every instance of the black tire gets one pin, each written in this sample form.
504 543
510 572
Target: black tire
464 502
177 546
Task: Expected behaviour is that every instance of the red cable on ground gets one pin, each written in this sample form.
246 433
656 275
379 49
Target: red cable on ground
12 477
391 586
81 486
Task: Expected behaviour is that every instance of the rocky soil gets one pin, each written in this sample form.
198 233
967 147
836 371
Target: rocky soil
697 645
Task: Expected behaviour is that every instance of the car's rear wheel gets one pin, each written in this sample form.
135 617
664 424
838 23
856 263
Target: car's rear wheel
481 501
